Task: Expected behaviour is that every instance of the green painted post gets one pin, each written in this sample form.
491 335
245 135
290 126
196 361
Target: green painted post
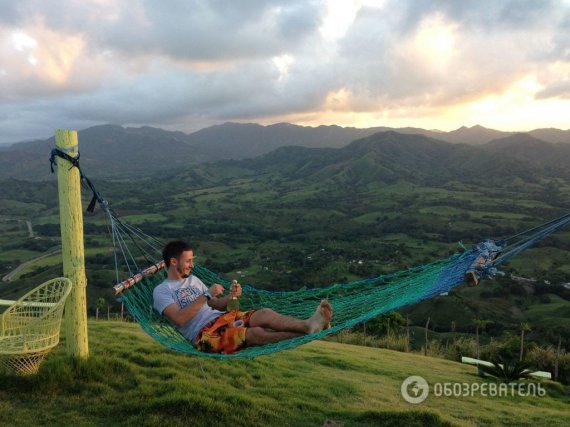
71 222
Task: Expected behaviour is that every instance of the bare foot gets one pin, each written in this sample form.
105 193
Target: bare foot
321 319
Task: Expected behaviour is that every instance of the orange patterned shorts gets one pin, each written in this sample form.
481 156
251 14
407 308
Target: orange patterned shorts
226 334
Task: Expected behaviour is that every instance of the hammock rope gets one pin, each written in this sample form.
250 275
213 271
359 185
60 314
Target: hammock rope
353 302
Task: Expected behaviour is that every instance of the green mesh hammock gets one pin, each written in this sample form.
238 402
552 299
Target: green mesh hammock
352 303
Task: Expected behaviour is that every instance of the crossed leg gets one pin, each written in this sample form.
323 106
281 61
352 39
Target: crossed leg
267 326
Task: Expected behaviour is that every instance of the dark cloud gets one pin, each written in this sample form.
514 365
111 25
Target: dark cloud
249 90
191 29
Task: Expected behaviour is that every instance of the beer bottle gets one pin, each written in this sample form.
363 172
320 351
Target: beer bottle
233 303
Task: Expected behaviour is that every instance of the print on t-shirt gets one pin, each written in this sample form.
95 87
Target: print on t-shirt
186 296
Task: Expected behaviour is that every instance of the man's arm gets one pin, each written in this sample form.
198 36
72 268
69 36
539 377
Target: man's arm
219 303
222 302
181 316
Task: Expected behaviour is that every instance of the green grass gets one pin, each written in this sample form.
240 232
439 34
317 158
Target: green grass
13 206
543 314
130 380
139 219
540 260
21 255
51 219
55 260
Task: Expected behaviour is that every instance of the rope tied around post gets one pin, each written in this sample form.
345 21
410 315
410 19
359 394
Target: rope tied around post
56 152
60 153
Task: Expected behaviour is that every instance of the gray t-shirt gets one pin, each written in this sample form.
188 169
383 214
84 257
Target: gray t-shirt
183 293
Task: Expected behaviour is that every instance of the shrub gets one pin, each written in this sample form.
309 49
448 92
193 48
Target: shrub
544 359
545 299
462 347
393 342
434 349
493 350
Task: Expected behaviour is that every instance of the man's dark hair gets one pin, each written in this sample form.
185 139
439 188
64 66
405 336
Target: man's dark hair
174 249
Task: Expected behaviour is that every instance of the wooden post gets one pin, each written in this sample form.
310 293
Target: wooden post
71 222
426 335
557 358
408 342
477 336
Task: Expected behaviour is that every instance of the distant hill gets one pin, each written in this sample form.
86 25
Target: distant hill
552 135
119 152
390 156
239 141
385 157
111 150
526 154
476 135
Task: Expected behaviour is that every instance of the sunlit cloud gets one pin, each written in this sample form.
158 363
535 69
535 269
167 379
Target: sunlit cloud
433 44
518 105
340 100
339 16
23 42
282 63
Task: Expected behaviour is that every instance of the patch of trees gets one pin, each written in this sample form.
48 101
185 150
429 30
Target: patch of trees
39 245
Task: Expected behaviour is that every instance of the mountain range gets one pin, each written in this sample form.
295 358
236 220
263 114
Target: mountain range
116 151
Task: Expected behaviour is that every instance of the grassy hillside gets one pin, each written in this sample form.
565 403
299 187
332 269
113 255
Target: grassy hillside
130 380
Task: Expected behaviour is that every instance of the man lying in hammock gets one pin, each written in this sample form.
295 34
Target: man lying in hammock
198 312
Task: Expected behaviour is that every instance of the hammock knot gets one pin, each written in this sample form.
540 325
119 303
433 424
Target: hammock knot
56 152
60 153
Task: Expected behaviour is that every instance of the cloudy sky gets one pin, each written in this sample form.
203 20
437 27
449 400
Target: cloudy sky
184 65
